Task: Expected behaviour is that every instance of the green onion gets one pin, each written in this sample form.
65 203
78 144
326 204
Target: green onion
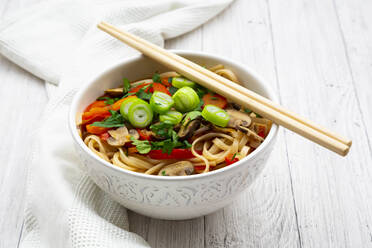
126 85
171 117
186 99
125 106
180 82
215 115
161 102
140 113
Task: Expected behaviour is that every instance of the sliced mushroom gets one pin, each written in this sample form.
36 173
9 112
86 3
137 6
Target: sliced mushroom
203 129
116 92
251 133
181 168
187 130
133 133
118 137
238 119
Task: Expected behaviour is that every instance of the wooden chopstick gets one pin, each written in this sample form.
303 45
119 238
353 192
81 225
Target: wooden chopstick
233 91
235 86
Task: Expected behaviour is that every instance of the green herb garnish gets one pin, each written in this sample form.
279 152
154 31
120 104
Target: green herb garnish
143 146
190 116
128 94
115 120
234 155
108 100
142 94
172 90
248 111
214 98
258 116
201 91
126 85
162 129
163 172
198 108
156 78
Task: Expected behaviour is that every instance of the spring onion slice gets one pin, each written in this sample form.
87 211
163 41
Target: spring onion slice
180 82
171 117
140 113
215 115
185 99
161 102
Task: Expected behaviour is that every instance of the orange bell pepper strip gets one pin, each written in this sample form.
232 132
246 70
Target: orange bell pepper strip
137 88
96 130
215 99
160 87
95 104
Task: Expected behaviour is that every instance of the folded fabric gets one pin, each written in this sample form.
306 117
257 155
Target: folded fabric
59 42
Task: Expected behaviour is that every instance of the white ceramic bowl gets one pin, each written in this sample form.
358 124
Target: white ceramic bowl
172 198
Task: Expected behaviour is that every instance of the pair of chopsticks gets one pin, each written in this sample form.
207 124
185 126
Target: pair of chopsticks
234 92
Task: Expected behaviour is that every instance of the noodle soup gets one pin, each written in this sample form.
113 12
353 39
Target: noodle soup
170 126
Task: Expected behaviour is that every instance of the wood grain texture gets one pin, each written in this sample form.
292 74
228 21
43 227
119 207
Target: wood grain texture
332 194
264 215
23 97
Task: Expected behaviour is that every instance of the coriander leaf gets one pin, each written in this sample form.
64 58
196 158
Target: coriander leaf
143 146
142 94
168 146
126 85
234 156
191 116
172 90
187 144
248 111
115 120
163 173
128 94
200 91
214 98
198 108
162 129
156 78
258 116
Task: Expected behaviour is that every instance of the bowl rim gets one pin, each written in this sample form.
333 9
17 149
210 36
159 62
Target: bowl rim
72 115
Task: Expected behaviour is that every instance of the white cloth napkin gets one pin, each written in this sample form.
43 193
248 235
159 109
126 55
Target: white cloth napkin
58 41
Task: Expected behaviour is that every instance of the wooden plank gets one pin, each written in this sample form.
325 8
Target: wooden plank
180 234
264 215
332 194
23 97
355 22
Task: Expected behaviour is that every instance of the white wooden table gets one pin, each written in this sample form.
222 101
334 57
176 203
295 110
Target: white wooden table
317 55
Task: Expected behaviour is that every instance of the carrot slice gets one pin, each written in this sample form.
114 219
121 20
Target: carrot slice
215 99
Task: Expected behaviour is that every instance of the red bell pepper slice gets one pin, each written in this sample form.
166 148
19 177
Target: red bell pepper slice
175 154
230 159
144 134
159 87
165 81
104 136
